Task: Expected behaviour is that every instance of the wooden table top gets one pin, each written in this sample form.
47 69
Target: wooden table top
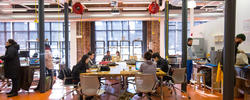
120 70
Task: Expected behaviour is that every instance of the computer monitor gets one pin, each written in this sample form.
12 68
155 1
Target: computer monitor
24 54
34 61
24 61
138 64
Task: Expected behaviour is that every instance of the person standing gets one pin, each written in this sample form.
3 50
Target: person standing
190 57
49 63
12 66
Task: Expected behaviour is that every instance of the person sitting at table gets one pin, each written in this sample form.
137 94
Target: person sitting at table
117 58
80 67
148 66
12 66
92 62
107 57
162 64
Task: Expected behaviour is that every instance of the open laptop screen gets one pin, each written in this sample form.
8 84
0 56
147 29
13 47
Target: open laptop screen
138 64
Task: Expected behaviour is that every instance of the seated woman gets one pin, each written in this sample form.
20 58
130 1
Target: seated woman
148 66
116 58
80 67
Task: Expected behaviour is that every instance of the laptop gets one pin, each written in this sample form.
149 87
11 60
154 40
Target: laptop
24 61
138 64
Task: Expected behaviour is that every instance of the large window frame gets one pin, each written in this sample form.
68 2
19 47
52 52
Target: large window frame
10 34
125 30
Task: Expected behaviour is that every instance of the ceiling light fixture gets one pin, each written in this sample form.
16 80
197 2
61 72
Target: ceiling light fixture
4 3
14 10
191 4
92 3
99 9
33 3
135 8
137 2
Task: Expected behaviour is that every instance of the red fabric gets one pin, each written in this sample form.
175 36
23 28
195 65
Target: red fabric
153 8
1 61
78 8
104 62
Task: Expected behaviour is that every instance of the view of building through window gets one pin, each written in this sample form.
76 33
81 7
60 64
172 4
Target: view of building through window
26 35
118 36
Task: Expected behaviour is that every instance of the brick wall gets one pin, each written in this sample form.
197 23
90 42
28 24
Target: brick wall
84 43
153 36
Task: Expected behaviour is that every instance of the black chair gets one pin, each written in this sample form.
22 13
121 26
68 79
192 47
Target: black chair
68 80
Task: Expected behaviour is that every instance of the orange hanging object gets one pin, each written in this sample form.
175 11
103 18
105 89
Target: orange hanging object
78 8
153 8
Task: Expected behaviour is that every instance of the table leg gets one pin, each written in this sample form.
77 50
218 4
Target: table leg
161 82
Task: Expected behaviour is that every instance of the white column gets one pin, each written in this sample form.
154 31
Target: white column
162 38
73 44
191 20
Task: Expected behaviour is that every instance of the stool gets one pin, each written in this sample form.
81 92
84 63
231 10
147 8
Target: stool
199 76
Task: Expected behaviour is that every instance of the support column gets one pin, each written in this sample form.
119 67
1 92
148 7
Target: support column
166 28
184 39
191 20
66 22
229 50
41 49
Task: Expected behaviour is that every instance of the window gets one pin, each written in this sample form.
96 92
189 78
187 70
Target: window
175 36
115 32
26 34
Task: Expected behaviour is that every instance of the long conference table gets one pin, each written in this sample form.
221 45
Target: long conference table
122 70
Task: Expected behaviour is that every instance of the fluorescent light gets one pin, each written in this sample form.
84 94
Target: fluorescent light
54 16
103 15
91 3
135 8
33 3
99 9
24 16
191 4
134 14
14 10
146 2
4 3
52 9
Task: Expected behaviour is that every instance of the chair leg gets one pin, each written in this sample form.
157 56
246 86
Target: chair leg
174 91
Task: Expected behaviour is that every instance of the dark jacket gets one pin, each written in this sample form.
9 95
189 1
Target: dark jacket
163 64
80 67
11 61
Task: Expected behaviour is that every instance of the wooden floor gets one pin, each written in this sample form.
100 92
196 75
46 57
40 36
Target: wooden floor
58 91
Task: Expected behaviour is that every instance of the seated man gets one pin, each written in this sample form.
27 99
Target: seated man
92 63
107 57
162 64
